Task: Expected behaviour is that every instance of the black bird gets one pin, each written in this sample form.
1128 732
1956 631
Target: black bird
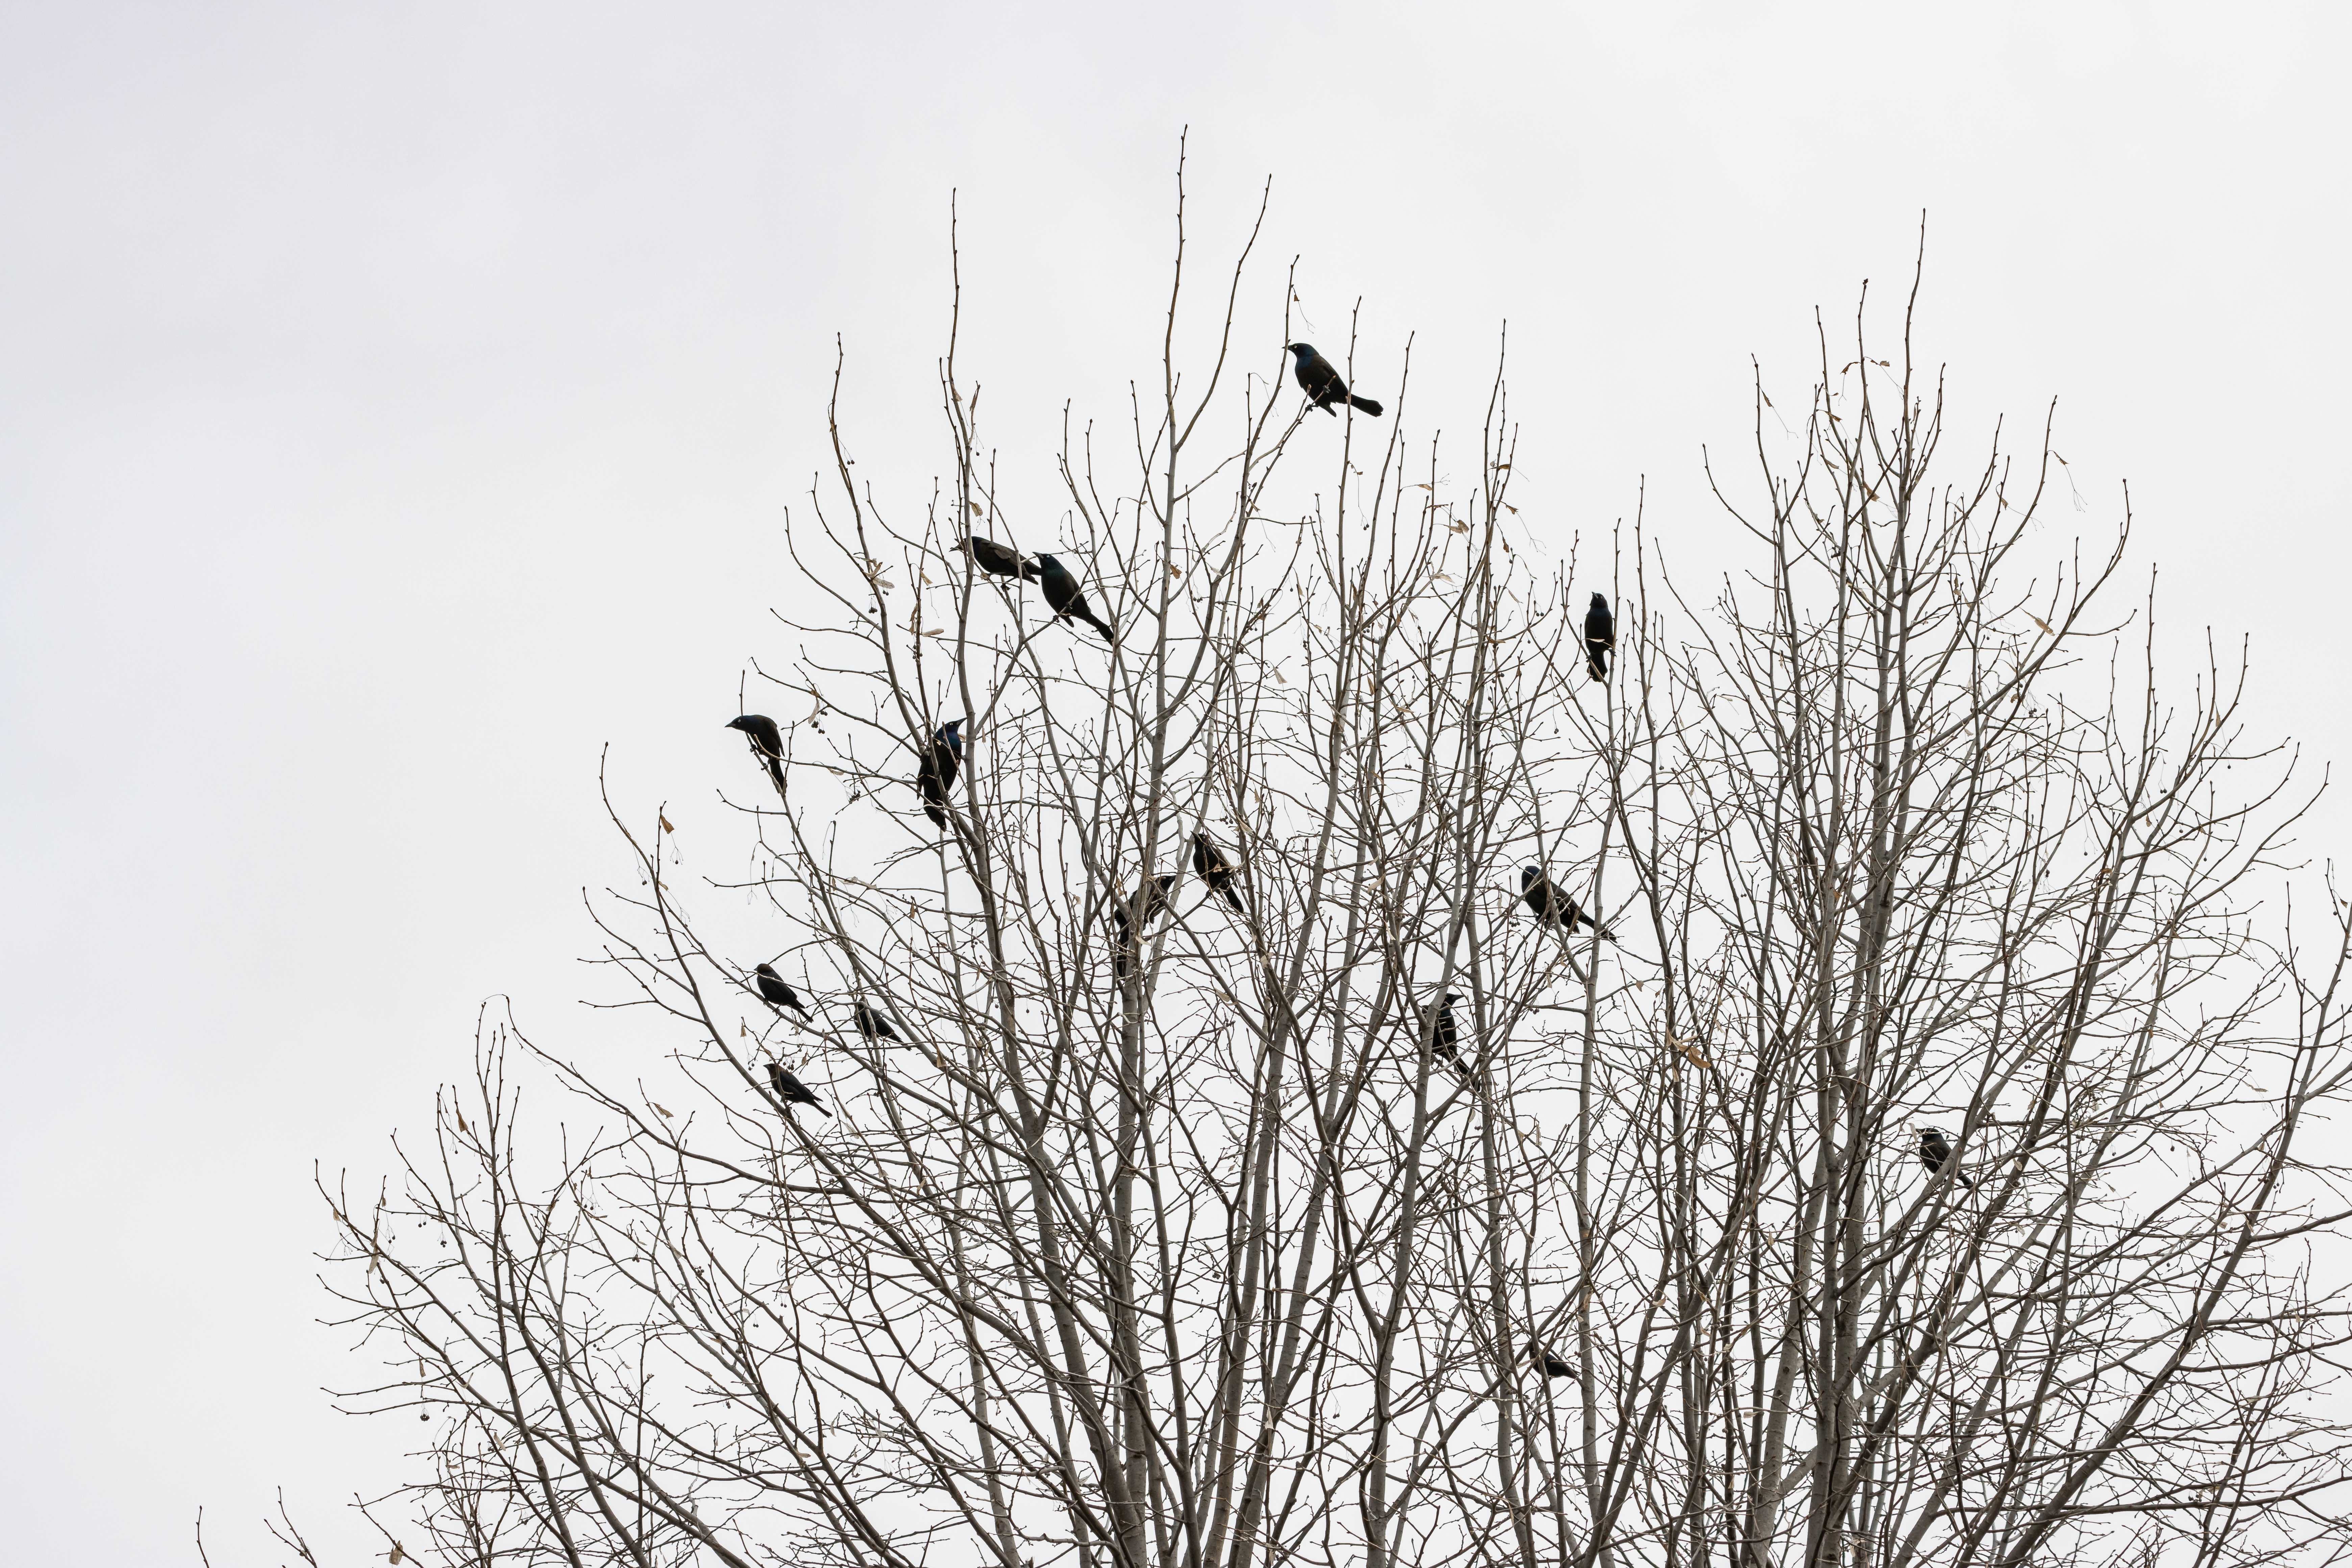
767 744
873 1023
1153 896
1209 863
1936 1151
995 559
1123 949
1445 1039
1319 379
1555 908
942 760
1069 601
1552 1365
792 1090
1599 637
1150 901
774 992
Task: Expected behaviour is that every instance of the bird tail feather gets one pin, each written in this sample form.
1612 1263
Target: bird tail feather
1365 403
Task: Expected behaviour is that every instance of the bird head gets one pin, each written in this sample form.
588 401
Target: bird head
1600 601
746 723
1937 1133
1303 351
1527 877
949 733
1451 997
767 969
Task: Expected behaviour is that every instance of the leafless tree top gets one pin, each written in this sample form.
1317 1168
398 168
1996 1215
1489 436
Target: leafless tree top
1346 1055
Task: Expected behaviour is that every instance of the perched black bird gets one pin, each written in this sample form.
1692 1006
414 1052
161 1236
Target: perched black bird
995 559
1552 1365
792 1090
1599 637
1069 601
1936 1151
1445 1039
1209 863
942 760
1555 908
1319 379
767 744
1149 903
873 1023
774 992
1153 897
1125 951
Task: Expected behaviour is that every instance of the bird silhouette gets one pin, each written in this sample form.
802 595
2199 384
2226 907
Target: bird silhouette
767 744
1149 903
1125 951
1554 908
1209 863
792 1090
1599 637
1935 1152
873 1023
1319 379
942 760
995 559
1553 1366
1445 1039
1067 599
774 992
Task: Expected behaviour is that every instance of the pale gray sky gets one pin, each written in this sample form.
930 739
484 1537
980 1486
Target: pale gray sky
397 404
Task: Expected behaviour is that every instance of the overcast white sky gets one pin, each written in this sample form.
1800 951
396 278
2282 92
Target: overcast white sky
397 405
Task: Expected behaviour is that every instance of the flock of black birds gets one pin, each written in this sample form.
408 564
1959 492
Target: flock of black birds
777 991
940 761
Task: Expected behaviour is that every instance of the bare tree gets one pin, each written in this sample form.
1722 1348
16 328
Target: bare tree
1326 1200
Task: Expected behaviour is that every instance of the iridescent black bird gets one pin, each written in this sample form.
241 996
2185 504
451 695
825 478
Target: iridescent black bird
767 744
774 992
792 1090
873 1023
1209 863
1319 379
1553 1366
942 761
995 559
1935 1152
1069 600
1554 908
1599 637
